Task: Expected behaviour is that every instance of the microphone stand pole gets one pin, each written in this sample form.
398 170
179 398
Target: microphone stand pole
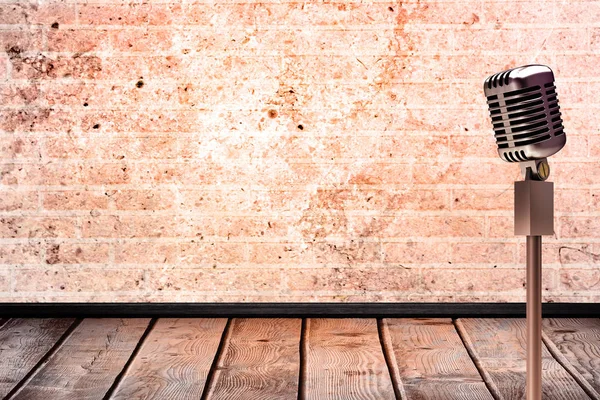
534 217
534 318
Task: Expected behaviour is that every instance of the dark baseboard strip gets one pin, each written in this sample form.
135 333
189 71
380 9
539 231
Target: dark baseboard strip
296 310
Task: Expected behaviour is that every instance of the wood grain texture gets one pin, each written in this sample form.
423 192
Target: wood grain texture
578 341
433 362
88 361
23 343
345 361
174 360
261 360
499 345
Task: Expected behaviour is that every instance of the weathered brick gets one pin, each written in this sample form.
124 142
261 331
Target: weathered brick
130 226
209 279
571 173
350 252
467 172
75 279
14 200
141 39
285 253
21 253
21 39
49 67
20 94
36 120
38 227
209 200
522 12
573 200
462 13
342 279
578 12
576 227
277 199
128 14
416 252
578 280
155 199
391 200
75 200
483 199
78 40
380 174
486 40
76 253
4 280
264 226
146 252
37 13
427 226
502 253
575 66
473 280
594 203
579 120
4 66
98 173
558 40
50 174
213 253
501 227
414 147
472 146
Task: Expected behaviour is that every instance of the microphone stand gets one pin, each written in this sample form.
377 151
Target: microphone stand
534 217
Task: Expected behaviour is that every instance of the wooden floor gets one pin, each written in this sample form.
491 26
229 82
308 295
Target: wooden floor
320 359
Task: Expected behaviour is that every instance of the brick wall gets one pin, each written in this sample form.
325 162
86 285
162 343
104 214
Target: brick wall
283 151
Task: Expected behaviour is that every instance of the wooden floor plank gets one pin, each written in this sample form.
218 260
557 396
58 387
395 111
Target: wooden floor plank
88 361
432 360
260 360
345 361
23 343
578 341
174 360
499 345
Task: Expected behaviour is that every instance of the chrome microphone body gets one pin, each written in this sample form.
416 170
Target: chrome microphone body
526 117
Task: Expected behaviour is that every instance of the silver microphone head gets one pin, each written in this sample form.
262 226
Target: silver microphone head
525 113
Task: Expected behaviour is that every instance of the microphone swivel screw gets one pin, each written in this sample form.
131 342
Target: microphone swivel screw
543 169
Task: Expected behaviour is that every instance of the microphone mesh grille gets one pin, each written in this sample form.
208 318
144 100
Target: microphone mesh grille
523 117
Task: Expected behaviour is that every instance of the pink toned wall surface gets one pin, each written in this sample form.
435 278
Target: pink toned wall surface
284 151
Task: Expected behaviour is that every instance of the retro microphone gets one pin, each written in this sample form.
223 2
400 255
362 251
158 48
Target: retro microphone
528 128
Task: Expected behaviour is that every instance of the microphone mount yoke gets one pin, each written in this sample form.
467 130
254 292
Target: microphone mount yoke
537 170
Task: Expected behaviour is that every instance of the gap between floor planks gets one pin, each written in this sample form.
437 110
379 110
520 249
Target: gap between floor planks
390 360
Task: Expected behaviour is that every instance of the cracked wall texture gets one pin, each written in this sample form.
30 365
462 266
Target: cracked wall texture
284 151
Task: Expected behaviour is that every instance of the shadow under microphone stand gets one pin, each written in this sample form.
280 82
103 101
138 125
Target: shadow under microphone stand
534 217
